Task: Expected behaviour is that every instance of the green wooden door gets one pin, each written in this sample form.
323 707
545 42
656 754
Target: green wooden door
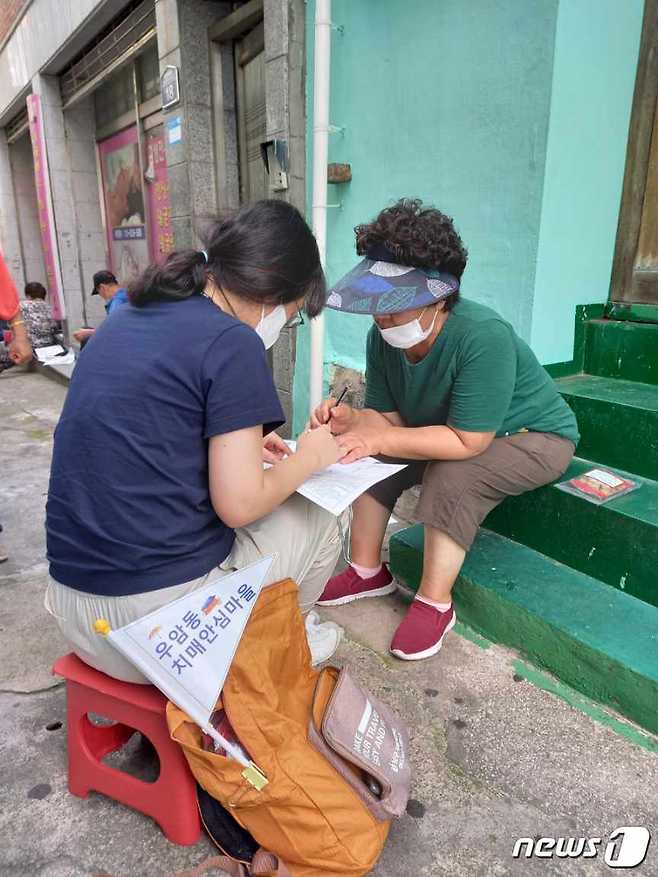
635 270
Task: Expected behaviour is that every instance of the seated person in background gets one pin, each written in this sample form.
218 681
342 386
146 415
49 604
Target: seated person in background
114 295
38 319
39 324
451 390
157 478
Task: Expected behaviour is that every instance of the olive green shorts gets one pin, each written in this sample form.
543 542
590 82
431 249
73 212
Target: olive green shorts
457 495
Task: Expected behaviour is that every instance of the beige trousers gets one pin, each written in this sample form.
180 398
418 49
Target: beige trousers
303 538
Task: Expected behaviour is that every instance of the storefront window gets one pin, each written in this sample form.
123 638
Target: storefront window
115 97
148 73
133 166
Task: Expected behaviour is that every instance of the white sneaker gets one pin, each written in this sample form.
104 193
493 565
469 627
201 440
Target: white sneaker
323 638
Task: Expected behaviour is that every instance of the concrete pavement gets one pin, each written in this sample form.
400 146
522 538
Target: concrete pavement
496 757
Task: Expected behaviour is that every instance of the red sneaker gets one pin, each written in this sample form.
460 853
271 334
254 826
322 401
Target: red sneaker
348 586
421 633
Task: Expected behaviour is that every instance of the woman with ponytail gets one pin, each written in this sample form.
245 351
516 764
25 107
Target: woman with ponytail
157 477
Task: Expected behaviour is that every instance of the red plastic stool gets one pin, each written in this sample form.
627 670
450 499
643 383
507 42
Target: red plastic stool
171 799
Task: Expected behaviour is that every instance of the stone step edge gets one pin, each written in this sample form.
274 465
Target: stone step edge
567 387
598 671
579 465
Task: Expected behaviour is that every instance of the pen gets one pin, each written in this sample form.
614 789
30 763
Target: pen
340 398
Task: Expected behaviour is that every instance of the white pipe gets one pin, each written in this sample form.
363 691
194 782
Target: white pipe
232 750
321 68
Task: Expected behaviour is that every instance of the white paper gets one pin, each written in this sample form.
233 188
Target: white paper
55 355
186 647
336 487
604 477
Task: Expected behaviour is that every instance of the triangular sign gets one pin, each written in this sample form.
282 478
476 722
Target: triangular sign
186 647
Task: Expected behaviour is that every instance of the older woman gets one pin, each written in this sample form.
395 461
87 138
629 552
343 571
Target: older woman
451 390
36 313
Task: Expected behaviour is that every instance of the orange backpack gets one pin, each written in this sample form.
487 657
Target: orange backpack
312 734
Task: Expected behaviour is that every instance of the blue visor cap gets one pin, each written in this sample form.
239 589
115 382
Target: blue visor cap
381 286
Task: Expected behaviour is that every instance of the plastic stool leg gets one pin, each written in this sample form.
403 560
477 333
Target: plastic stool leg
170 800
103 739
88 743
180 823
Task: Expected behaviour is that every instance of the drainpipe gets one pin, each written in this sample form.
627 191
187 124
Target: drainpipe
320 158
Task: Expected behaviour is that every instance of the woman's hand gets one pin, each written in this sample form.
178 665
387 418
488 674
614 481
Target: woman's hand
340 418
274 448
363 443
242 490
320 447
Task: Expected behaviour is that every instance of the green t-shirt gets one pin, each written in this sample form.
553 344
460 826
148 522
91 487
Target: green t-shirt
479 376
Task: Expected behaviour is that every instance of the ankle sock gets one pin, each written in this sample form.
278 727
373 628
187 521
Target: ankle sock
442 607
366 572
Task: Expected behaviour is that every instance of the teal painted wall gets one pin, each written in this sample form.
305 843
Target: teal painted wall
447 101
596 51
453 104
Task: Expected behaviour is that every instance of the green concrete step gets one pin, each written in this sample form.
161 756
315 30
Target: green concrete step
616 543
599 641
618 421
622 349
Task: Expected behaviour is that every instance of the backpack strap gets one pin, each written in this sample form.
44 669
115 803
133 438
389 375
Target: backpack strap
264 864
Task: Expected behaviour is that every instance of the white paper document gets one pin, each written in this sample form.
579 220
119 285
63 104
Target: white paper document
55 355
336 487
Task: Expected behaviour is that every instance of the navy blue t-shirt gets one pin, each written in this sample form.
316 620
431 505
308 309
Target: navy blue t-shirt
129 506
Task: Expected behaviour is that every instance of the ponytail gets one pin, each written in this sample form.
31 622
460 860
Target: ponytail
265 252
184 273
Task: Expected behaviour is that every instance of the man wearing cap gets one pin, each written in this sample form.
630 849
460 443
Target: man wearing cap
452 391
105 285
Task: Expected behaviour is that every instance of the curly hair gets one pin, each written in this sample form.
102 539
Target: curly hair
415 235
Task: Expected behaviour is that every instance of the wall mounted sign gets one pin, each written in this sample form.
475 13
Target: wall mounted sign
159 200
174 129
45 209
169 87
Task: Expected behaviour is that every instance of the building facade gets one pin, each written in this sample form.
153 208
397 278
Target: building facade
513 118
126 125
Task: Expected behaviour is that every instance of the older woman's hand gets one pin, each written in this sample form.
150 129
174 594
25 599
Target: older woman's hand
339 417
363 442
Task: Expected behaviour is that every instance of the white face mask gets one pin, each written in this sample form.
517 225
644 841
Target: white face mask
270 326
408 334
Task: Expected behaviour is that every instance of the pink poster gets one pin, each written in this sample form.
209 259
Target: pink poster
125 212
45 209
161 229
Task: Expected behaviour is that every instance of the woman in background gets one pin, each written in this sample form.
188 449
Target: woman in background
39 324
38 319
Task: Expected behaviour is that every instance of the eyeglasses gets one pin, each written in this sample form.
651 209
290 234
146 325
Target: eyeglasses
295 322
